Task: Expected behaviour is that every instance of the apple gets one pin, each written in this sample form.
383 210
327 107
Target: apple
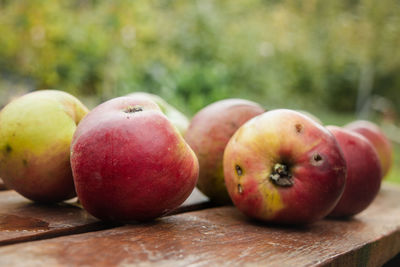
310 115
208 133
130 163
378 139
178 119
36 130
364 172
283 167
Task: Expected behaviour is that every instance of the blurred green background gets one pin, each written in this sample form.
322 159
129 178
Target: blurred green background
339 60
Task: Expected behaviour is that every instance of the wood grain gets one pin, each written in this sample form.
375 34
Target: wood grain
224 237
22 220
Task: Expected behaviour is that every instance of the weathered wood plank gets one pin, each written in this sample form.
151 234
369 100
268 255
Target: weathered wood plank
223 236
22 220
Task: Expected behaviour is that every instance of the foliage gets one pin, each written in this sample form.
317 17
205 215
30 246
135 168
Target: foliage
394 173
302 54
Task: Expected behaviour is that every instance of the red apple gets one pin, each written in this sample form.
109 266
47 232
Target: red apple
208 133
310 115
364 172
378 139
177 118
284 167
130 163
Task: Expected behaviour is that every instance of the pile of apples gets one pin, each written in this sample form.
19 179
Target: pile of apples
136 158
284 166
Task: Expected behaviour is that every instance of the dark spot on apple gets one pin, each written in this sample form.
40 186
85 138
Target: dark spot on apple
239 170
233 125
8 148
24 162
133 109
316 159
240 188
299 128
281 176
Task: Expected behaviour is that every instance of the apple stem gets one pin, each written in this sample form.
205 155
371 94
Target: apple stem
280 175
133 109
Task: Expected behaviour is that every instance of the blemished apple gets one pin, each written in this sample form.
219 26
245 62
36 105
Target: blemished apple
378 139
208 133
36 130
130 163
283 167
364 172
178 119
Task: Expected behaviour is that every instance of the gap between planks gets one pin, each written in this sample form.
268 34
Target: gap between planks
23 221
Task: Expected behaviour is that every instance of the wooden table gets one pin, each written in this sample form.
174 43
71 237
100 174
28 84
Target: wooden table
196 234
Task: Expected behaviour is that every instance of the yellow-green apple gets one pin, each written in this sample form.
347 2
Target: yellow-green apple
283 167
35 136
378 139
178 119
364 172
208 133
130 163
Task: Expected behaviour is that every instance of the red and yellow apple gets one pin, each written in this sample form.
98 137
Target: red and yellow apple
378 139
130 163
208 133
177 118
310 115
284 167
364 172
35 136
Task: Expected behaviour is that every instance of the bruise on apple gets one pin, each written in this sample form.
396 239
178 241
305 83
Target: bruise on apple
240 189
299 128
239 170
8 149
316 160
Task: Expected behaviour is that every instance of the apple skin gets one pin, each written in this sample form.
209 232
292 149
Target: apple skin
36 130
130 163
208 133
315 174
310 115
178 119
364 172
378 139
